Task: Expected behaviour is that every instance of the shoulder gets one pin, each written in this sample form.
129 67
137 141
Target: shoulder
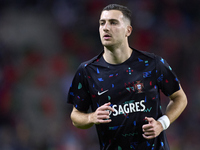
145 55
91 61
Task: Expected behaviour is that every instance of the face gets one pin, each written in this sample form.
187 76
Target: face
113 28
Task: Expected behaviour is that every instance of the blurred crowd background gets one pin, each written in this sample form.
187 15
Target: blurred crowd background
42 42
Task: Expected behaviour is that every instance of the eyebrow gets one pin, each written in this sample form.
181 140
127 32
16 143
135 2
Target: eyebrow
108 20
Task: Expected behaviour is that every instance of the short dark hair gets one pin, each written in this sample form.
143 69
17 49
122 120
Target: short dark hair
125 11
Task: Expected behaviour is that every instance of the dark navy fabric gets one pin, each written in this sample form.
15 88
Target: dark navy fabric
133 88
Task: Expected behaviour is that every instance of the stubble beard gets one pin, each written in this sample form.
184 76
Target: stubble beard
111 45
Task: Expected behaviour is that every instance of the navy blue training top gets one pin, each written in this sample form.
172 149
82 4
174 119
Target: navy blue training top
133 88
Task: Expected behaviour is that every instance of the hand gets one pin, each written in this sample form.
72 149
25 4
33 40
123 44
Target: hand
152 129
101 115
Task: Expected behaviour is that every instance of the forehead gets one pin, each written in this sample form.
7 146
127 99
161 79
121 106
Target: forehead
111 14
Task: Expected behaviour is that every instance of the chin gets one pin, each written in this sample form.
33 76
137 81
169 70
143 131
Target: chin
107 44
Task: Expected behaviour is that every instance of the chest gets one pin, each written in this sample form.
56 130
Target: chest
121 84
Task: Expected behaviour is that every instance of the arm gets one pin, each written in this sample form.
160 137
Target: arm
84 120
177 104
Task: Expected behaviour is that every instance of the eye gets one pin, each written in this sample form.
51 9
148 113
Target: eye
113 22
101 23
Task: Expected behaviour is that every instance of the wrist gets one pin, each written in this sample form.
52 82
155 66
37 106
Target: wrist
90 118
165 122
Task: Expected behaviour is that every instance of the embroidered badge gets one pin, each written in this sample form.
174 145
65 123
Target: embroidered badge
139 86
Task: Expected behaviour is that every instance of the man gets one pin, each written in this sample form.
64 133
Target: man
122 87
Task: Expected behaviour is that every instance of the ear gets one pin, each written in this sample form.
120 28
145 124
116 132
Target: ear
129 30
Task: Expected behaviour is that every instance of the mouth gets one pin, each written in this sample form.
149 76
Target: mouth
107 36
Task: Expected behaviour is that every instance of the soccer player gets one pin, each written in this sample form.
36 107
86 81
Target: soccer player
122 86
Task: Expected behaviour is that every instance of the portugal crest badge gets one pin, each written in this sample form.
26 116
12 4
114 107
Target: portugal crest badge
139 86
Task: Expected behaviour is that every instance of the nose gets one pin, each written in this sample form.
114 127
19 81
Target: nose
106 27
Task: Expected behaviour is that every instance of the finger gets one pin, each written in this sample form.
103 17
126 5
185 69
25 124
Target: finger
103 112
107 104
149 119
105 121
148 137
110 108
103 117
149 133
147 127
105 107
148 130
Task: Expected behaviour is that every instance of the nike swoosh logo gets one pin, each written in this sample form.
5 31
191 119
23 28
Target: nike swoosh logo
100 93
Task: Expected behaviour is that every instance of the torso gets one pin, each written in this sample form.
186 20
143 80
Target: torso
131 88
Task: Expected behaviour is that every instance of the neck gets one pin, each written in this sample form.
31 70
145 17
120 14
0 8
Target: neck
117 55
